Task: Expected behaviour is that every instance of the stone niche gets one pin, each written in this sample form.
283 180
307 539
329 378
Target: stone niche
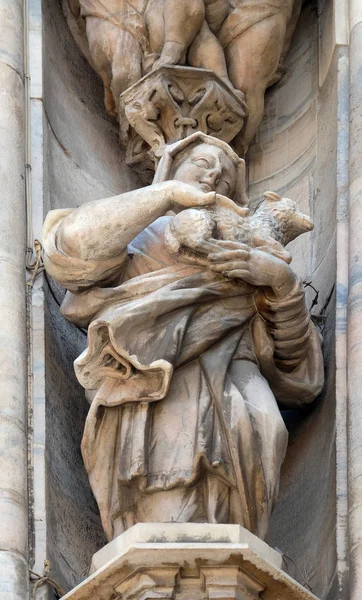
293 154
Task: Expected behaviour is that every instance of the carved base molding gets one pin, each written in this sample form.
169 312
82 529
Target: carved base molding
188 561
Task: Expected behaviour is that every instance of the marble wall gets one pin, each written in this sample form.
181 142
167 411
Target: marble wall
294 154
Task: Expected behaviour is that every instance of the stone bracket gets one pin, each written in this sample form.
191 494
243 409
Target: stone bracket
173 102
182 583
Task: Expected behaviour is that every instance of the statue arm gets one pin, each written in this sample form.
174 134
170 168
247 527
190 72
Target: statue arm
288 322
288 347
286 344
88 245
101 229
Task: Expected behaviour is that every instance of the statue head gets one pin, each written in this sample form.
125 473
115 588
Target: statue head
206 163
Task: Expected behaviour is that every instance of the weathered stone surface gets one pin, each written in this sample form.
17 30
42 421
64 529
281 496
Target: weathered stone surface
276 222
14 576
126 41
304 517
196 470
305 481
354 327
171 103
183 533
188 561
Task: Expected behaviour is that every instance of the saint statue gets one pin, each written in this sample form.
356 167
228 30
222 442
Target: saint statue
186 362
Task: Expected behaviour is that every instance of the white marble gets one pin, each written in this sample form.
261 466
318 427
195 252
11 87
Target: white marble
37 358
183 533
188 560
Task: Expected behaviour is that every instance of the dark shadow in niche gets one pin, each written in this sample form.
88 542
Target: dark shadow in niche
303 521
74 529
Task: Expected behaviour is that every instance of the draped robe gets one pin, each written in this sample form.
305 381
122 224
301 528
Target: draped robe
176 365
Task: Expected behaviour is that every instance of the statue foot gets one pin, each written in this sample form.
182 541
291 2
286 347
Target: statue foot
173 53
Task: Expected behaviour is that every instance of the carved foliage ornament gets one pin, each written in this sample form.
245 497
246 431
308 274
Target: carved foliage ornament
171 103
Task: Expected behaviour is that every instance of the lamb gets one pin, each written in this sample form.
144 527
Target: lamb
276 222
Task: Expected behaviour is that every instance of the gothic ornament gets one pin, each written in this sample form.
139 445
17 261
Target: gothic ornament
171 103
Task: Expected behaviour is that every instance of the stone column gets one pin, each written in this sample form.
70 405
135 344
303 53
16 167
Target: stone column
354 332
13 367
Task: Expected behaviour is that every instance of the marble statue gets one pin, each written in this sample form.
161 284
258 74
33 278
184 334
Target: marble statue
244 42
127 38
186 362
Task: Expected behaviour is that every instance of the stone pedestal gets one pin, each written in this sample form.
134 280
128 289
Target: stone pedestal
188 561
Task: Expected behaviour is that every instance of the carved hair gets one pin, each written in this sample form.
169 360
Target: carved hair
166 165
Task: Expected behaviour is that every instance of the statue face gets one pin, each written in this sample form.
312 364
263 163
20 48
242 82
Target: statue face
209 169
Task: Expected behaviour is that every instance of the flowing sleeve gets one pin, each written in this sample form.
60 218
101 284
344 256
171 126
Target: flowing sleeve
288 347
74 273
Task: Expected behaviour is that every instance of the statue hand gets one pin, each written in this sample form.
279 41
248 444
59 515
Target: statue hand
228 204
236 260
187 196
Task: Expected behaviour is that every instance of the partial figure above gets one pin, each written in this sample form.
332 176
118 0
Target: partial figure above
244 42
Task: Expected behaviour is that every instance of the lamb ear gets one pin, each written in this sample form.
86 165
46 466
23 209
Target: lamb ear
272 196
